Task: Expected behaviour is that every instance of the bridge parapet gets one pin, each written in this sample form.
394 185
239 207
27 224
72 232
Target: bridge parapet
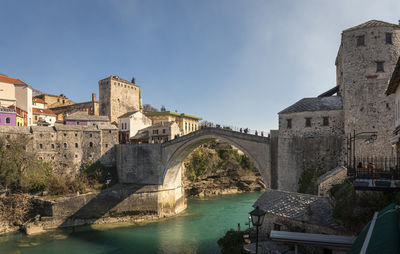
218 131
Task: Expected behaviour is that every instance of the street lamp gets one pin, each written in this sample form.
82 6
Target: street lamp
370 137
257 218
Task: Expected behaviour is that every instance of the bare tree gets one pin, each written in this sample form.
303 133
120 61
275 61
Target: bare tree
147 108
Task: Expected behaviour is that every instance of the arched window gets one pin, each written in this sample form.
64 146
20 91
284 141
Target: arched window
8 120
91 144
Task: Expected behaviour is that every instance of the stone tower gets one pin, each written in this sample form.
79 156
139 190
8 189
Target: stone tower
117 97
367 56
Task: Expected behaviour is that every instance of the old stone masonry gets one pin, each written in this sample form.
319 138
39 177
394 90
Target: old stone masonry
312 132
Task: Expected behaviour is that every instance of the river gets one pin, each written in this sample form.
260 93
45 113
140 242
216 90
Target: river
196 230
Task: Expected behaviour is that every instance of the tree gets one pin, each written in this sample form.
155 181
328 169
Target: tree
163 108
147 108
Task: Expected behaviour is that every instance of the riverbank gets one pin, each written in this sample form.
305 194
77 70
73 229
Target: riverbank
195 230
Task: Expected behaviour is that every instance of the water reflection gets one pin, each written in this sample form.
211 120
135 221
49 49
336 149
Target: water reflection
195 231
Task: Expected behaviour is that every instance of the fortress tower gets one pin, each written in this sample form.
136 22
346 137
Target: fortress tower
118 96
367 56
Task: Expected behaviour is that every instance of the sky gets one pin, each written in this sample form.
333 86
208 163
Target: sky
232 62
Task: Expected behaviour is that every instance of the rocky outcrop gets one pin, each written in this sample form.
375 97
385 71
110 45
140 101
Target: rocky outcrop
224 182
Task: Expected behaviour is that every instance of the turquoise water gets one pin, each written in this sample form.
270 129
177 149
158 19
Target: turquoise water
194 231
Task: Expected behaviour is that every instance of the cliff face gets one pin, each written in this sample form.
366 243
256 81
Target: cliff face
217 168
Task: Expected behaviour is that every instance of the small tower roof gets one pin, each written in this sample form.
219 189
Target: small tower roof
372 23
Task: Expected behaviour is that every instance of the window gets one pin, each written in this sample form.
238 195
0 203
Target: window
106 145
65 145
389 38
8 120
76 145
40 146
76 156
41 135
379 67
325 121
35 117
289 123
76 134
163 130
308 122
65 134
360 40
90 135
52 146
155 131
91 144
77 122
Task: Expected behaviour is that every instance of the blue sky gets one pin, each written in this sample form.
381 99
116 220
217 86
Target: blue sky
235 62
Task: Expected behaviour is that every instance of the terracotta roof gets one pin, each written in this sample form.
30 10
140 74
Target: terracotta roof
43 111
315 104
39 100
9 80
394 80
371 23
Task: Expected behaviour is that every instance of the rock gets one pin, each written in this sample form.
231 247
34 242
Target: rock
32 228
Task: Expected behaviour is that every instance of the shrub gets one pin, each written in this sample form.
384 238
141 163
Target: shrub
232 242
308 180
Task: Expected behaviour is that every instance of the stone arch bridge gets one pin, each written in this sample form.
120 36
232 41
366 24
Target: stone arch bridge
161 164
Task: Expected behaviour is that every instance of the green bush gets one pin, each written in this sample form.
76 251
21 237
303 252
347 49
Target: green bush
232 242
308 180
354 209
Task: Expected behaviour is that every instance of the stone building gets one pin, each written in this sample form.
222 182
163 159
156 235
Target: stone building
310 136
187 123
117 97
83 118
90 107
367 56
54 101
313 131
295 212
67 147
393 89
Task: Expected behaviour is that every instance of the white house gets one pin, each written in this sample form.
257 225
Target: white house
130 123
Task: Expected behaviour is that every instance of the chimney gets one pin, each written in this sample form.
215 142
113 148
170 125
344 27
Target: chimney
93 97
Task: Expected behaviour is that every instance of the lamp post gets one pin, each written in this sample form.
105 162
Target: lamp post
257 218
370 137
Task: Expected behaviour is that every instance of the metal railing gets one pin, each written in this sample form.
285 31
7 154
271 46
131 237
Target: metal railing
376 168
235 128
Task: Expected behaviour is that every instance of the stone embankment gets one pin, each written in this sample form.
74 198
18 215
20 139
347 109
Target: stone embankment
118 204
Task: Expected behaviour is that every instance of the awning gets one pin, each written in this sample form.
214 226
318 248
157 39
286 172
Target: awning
380 235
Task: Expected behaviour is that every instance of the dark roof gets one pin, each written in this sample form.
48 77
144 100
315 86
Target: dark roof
302 207
330 92
142 134
128 114
371 23
394 80
315 104
84 116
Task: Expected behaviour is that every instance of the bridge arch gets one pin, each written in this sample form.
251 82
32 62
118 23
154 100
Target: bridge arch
257 148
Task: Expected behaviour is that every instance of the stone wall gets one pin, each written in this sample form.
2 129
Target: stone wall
296 154
68 148
117 97
330 178
362 87
301 147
